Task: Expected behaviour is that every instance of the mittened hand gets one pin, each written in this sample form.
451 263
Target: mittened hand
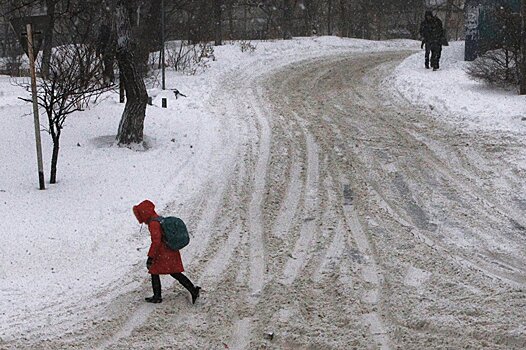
149 262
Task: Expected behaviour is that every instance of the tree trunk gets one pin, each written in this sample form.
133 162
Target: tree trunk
344 32
132 122
447 20
307 30
523 49
310 17
287 19
54 159
146 34
245 22
218 14
48 38
231 30
329 17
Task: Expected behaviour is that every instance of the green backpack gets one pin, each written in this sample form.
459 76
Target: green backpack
175 233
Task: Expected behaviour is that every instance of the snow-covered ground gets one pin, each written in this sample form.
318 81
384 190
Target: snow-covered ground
453 96
61 246
67 252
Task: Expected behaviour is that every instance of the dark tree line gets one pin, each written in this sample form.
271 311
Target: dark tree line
125 32
270 19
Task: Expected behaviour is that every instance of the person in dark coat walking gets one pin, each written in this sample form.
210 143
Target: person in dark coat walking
432 34
161 259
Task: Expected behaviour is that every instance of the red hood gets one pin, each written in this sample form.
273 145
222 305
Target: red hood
145 211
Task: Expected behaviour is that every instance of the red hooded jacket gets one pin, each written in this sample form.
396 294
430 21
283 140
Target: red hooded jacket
165 260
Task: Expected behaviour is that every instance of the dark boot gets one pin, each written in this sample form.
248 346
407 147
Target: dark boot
195 294
185 282
154 300
156 285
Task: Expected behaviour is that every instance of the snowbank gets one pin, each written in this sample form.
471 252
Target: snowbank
455 97
69 250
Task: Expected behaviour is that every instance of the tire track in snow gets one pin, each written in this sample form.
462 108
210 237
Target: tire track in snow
200 238
437 246
309 227
257 275
240 339
371 274
333 253
218 264
202 235
453 179
369 271
289 206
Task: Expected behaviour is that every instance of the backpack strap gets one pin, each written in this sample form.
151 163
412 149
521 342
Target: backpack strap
159 219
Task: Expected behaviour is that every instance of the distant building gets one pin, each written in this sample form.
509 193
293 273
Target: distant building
480 24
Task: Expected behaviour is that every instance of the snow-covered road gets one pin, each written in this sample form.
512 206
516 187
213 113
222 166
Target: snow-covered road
340 217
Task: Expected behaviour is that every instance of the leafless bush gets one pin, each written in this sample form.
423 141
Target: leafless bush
152 78
11 65
496 67
12 60
247 46
74 81
499 66
189 58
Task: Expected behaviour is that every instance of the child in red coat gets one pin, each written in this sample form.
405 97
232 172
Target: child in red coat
161 259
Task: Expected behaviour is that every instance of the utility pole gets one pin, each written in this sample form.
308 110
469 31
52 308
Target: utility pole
162 47
29 28
523 48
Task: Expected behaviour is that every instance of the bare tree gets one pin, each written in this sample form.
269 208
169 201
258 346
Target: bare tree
74 81
131 125
501 62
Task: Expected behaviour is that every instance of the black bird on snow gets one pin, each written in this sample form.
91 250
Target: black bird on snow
177 93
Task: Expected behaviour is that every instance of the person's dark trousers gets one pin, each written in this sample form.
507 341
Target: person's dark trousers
185 282
428 52
156 285
436 53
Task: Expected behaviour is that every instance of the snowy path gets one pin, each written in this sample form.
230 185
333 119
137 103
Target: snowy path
344 219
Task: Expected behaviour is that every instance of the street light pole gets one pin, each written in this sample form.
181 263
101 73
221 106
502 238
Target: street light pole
162 46
31 55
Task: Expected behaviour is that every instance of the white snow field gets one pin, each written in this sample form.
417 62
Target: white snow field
338 195
451 93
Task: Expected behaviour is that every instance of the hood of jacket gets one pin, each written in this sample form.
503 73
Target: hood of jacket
144 211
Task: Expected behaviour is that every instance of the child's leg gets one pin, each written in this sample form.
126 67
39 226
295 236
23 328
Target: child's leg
188 285
156 285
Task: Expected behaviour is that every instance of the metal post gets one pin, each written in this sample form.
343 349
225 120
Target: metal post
162 46
31 55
